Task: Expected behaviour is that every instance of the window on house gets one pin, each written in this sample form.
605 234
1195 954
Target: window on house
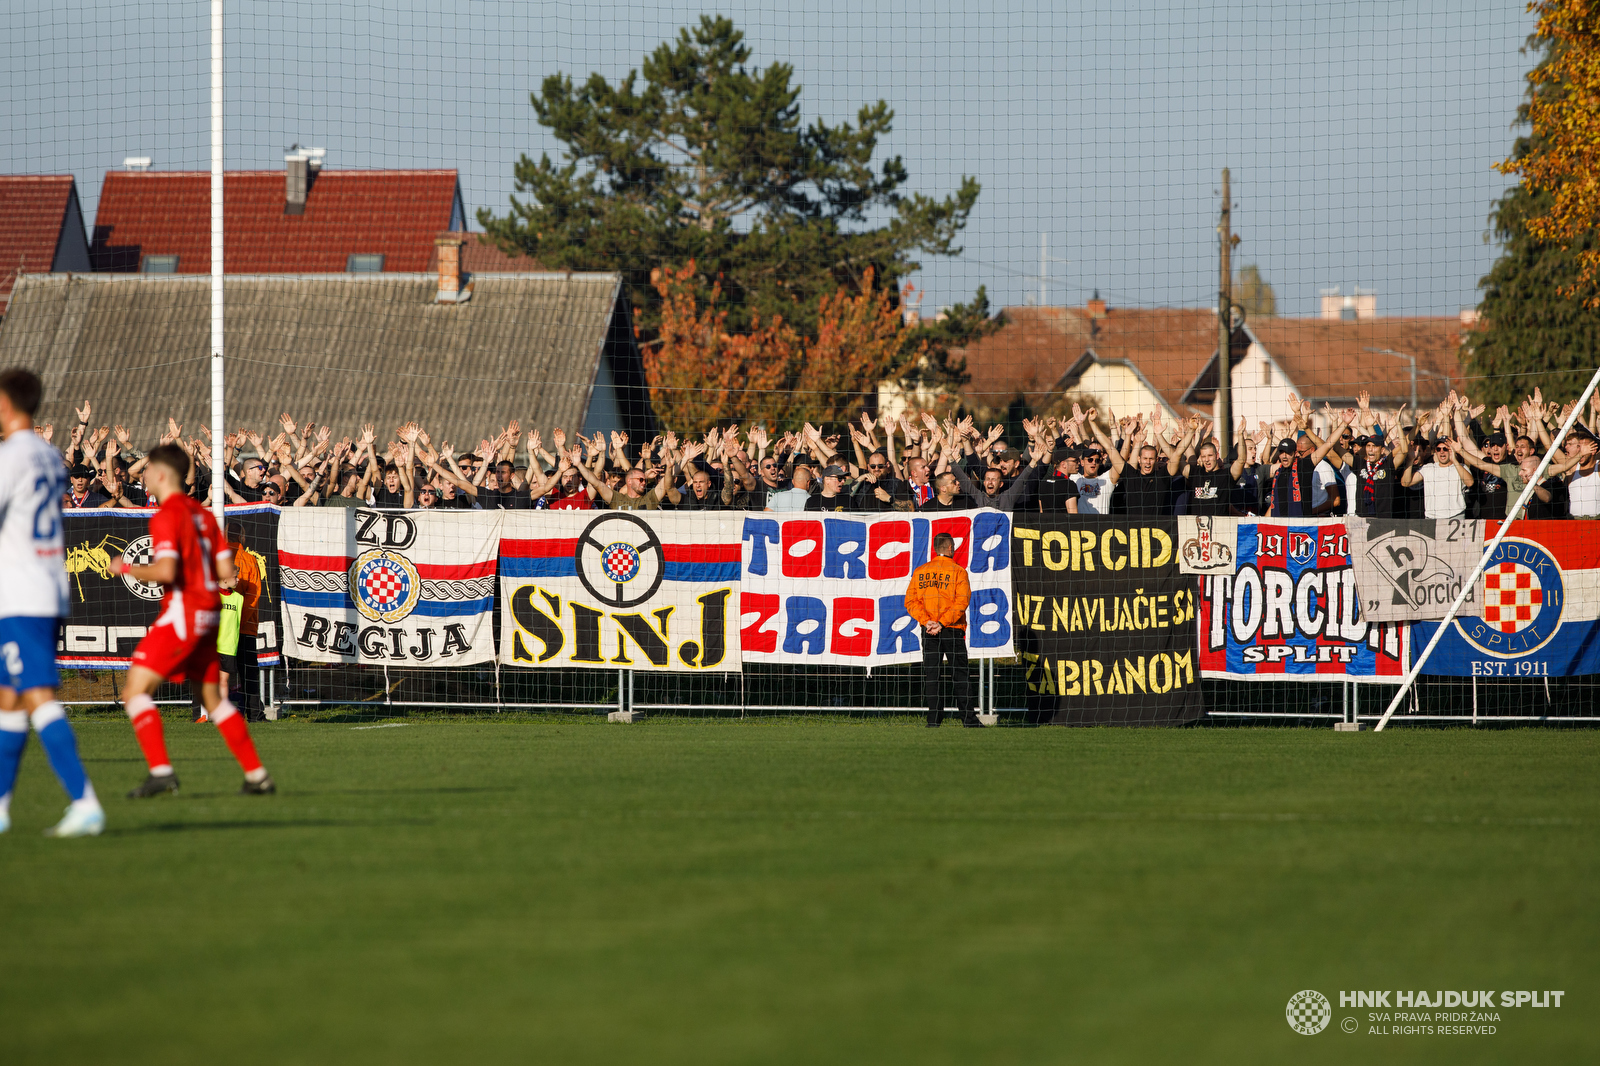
364 264
1266 372
160 264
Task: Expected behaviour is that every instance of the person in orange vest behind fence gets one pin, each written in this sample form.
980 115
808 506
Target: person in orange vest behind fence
937 598
249 587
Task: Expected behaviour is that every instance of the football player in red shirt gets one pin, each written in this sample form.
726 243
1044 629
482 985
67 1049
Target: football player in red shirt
189 557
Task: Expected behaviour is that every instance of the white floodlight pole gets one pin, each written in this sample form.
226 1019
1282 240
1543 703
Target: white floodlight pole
218 489
1505 527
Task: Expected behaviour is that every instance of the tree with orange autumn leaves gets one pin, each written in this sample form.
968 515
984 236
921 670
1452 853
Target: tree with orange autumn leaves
701 375
1564 159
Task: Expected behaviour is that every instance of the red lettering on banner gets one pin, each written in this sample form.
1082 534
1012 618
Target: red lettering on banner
848 609
887 564
802 549
764 606
960 529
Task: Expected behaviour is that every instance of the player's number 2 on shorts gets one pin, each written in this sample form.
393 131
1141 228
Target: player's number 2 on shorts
42 516
13 657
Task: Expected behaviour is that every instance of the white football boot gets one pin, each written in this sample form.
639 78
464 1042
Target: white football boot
79 821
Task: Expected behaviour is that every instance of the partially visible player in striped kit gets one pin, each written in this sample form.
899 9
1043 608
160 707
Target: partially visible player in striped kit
34 602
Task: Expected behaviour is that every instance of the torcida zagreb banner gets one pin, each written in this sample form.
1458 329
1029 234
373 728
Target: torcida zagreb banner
1290 610
830 589
639 590
1105 620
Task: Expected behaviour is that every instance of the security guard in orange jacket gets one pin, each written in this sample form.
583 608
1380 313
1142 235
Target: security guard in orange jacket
937 598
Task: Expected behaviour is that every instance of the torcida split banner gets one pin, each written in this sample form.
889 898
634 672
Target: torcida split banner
830 589
638 590
1290 610
1105 620
407 589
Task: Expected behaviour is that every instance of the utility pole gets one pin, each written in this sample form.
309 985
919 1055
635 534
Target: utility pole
1225 242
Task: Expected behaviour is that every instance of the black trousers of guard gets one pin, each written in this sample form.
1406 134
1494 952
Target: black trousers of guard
946 644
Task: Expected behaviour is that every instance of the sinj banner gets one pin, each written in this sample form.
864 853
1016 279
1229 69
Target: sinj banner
407 589
829 589
643 590
111 614
1290 610
1539 613
1105 620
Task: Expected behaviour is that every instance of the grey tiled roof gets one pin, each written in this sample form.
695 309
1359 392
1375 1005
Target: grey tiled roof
336 349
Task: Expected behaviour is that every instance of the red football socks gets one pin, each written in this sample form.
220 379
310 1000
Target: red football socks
230 723
147 730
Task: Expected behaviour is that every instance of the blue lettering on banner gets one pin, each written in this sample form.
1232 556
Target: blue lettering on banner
921 542
991 543
988 619
897 631
760 532
808 625
846 553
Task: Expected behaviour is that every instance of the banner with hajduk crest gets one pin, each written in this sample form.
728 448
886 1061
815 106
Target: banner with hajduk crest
383 587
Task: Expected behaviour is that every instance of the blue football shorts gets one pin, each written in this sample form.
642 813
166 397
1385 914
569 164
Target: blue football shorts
28 653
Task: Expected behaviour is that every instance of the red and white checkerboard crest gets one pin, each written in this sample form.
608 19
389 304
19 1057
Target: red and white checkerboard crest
620 562
384 585
1512 597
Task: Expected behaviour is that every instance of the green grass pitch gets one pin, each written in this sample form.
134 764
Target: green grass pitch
567 891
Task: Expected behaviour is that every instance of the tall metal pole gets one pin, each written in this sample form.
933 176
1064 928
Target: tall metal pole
1044 266
1225 326
218 494
1471 582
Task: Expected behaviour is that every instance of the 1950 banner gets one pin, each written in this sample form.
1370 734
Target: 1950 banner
643 590
830 589
110 614
1288 609
1105 620
412 589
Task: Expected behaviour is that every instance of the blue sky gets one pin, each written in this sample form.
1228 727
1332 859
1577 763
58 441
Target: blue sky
1361 133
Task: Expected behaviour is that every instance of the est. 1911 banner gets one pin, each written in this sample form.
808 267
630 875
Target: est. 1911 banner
1105 620
830 589
645 590
411 589
1289 610
1540 613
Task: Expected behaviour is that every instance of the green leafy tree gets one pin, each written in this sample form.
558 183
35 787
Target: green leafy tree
1529 335
1253 294
708 159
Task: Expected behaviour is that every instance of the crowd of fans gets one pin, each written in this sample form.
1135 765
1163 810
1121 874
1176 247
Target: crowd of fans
1444 464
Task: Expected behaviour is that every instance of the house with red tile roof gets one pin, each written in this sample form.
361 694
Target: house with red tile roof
332 221
41 228
1140 359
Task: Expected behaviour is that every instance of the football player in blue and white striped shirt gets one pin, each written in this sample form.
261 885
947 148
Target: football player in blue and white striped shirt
34 606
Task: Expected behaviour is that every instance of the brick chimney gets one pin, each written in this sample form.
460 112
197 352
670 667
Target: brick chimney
1097 306
449 248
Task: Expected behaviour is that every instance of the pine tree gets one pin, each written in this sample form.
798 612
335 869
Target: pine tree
708 159
1529 334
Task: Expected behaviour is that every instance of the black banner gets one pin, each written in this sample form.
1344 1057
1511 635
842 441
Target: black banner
1105 620
110 614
